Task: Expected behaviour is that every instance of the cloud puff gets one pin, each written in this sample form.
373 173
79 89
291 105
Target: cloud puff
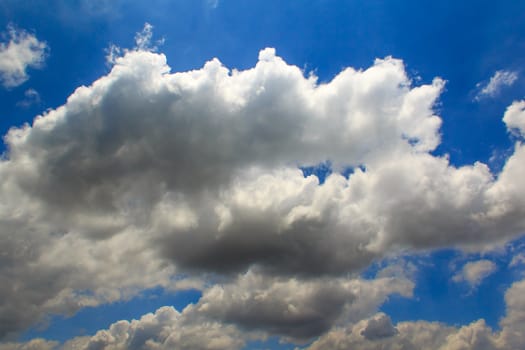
517 260
514 118
498 81
252 306
192 329
379 327
432 335
22 50
475 272
146 174
165 329
298 310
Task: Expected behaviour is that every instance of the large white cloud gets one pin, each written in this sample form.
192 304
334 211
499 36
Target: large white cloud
145 174
23 50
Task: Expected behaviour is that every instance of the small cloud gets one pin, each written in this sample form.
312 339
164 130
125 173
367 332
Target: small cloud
20 51
500 79
31 97
475 272
143 42
112 53
143 39
514 118
517 260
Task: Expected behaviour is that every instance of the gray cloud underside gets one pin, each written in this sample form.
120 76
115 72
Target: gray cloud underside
145 174
432 335
251 306
193 329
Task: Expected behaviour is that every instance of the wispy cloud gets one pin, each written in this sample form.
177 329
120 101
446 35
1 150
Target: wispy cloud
143 42
500 79
31 97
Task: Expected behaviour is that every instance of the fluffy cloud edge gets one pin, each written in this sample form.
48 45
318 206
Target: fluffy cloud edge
22 51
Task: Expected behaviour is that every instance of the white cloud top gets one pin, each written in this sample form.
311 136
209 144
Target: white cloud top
22 50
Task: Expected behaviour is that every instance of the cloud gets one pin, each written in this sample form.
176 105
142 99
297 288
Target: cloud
143 42
295 309
35 344
192 329
475 272
379 326
500 79
31 97
166 329
252 306
23 50
514 118
148 175
432 335
517 260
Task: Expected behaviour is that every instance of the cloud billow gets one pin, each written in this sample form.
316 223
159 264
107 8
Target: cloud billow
146 174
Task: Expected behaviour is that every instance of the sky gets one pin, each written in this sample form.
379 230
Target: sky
227 174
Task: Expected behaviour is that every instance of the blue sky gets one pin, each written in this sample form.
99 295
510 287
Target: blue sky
144 189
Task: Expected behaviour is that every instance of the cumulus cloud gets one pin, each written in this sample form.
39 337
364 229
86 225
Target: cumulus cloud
165 329
475 272
514 118
21 51
35 344
148 174
143 39
432 335
500 79
379 327
251 306
295 309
